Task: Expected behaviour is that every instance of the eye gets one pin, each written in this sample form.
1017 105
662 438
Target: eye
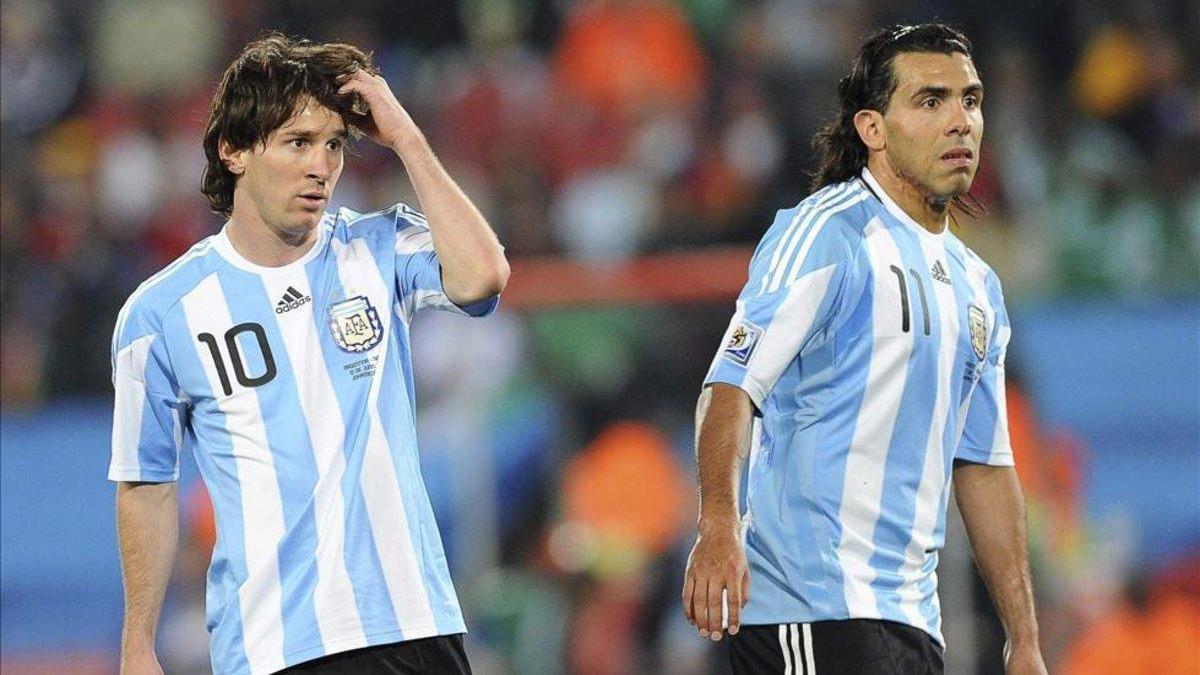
971 101
931 103
335 144
299 143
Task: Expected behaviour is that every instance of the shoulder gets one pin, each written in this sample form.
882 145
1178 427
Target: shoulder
144 311
394 219
835 216
399 226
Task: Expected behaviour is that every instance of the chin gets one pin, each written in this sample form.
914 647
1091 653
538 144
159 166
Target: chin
957 186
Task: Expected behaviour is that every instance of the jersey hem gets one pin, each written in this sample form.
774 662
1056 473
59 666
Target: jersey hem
756 394
337 646
142 476
981 456
775 620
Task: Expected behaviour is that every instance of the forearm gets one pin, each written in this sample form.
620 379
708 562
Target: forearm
993 510
473 264
723 417
148 533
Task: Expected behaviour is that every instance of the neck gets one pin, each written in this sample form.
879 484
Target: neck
264 245
929 210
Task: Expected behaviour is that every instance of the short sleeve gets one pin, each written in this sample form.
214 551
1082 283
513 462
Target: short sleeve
985 438
800 280
148 414
419 273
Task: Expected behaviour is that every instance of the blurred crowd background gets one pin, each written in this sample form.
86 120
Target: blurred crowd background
600 137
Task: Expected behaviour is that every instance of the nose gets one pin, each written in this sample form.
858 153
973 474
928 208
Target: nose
960 121
320 167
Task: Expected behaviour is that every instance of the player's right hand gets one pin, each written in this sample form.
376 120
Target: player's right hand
717 576
140 663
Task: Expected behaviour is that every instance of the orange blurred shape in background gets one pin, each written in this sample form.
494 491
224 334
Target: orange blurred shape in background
628 486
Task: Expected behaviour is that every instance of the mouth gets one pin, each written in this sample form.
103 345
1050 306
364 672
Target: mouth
313 200
958 157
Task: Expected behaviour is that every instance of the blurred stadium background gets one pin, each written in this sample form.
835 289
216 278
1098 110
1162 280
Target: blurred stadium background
629 152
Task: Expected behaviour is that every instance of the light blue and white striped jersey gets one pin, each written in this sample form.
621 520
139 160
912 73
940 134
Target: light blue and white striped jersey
293 387
874 350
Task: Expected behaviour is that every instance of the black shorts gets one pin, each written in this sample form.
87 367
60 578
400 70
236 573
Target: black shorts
853 647
434 655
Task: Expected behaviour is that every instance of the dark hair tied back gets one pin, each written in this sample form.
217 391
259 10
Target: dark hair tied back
869 86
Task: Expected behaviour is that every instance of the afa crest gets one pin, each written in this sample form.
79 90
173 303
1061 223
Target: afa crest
742 342
977 322
355 324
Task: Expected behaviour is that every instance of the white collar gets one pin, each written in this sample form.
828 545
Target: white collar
225 247
894 209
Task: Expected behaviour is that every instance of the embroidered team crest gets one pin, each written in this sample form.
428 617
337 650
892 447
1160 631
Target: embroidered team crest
977 322
742 342
355 324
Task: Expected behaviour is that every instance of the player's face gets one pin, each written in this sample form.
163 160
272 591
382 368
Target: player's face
934 122
290 177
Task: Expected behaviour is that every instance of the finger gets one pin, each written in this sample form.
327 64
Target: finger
715 586
734 606
699 595
745 587
689 585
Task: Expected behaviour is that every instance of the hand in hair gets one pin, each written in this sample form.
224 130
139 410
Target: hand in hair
384 121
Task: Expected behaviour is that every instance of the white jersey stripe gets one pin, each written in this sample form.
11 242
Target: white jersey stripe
386 511
333 599
930 489
207 311
1000 440
862 488
129 404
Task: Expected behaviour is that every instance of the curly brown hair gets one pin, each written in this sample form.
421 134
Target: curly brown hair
262 89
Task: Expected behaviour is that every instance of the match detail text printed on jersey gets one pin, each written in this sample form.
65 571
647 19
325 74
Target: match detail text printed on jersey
742 342
355 324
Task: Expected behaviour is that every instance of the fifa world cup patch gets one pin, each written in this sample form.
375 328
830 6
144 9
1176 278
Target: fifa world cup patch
355 324
977 322
742 342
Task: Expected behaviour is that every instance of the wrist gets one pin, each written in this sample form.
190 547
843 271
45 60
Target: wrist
1024 642
137 641
407 143
722 520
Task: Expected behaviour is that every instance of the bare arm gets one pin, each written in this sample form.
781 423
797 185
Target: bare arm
473 264
717 563
993 510
148 532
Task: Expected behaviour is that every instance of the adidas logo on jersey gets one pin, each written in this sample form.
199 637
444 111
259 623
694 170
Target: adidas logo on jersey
292 299
939 272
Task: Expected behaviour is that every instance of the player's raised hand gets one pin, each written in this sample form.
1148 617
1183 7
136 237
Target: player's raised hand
717 577
386 121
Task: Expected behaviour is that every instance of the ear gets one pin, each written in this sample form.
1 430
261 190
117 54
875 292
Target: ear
234 160
869 124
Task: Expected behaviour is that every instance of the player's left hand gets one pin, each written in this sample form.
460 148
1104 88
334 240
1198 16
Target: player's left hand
386 121
1023 661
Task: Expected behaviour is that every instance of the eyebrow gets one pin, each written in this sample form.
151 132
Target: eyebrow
340 133
942 92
